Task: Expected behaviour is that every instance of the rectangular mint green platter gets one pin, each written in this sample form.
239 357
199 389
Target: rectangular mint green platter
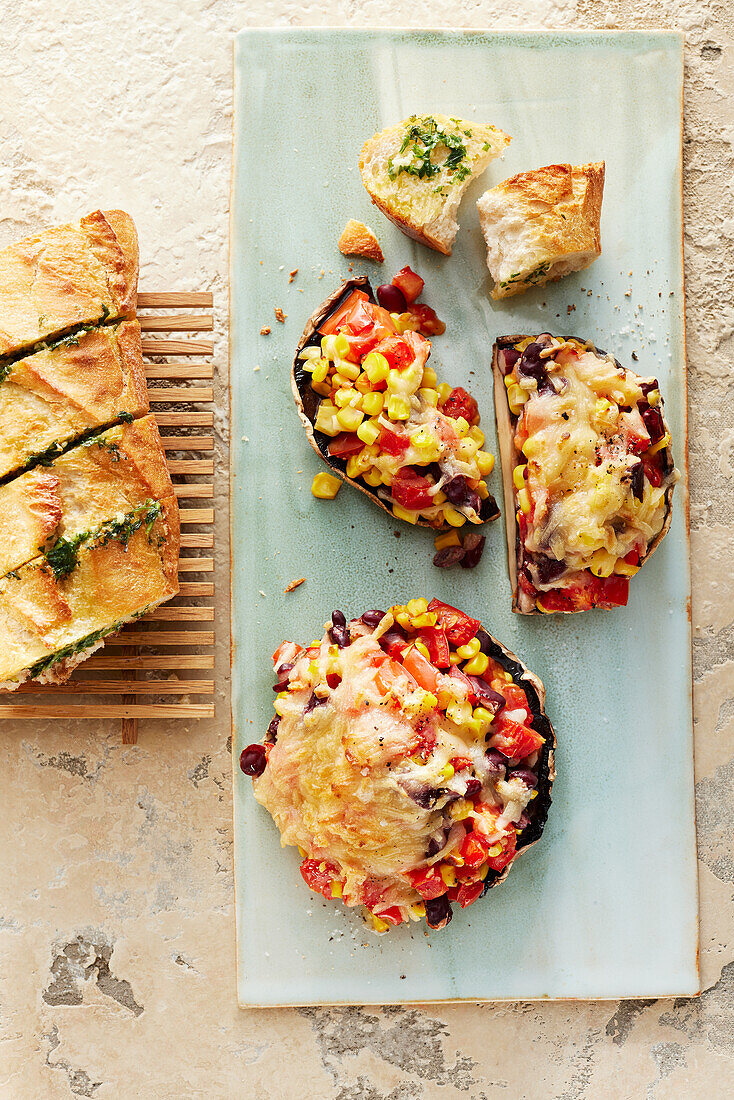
605 906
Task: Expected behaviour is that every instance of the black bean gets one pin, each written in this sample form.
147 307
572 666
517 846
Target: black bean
272 734
528 776
314 701
549 569
485 642
253 760
637 480
473 550
391 298
338 618
473 787
450 555
438 912
508 359
487 696
373 618
283 674
455 489
497 762
654 423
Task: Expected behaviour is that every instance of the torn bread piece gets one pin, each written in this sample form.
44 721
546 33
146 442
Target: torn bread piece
103 478
67 276
417 171
86 381
587 469
358 239
542 225
57 609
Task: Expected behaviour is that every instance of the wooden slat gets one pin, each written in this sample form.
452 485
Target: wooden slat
165 662
177 322
179 370
162 637
196 588
193 491
171 299
122 687
187 442
195 564
153 346
197 515
191 466
168 614
180 393
194 541
184 419
141 710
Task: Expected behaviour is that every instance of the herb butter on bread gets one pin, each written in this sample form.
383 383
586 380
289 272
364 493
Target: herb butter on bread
542 225
417 171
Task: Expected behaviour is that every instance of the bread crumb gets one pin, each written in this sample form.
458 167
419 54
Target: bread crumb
265 330
358 240
570 309
294 584
279 315
292 274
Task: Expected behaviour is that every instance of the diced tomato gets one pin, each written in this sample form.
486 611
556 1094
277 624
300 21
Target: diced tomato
468 893
392 443
435 640
428 883
457 674
515 697
458 763
388 673
612 591
411 490
429 323
333 679
397 351
278 655
460 628
633 558
474 850
653 473
391 915
422 671
319 875
461 403
410 284
514 739
499 862
345 444
331 323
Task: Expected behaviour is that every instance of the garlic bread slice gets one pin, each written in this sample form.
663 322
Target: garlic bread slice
417 171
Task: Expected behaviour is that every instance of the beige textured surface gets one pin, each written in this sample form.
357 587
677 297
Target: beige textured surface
116 921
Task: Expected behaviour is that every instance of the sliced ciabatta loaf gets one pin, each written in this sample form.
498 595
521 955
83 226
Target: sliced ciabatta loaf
417 171
542 225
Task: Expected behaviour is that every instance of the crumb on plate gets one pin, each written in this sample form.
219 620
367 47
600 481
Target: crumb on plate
294 584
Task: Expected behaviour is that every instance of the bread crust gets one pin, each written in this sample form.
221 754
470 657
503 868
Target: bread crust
67 276
358 239
58 394
510 458
105 476
559 207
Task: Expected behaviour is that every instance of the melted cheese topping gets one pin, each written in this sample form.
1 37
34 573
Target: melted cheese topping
579 462
345 782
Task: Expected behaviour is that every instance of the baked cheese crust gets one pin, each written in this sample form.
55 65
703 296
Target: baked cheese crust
67 276
60 393
105 477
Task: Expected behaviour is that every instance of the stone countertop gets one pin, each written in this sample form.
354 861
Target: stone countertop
116 906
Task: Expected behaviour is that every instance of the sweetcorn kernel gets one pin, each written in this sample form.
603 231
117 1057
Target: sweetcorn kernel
430 396
378 924
350 419
320 370
373 478
336 890
430 378
417 607
602 563
444 391
422 649
404 513
466 652
477 666
518 477
447 771
428 619
341 345
347 369
459 712
448 874
452 517
372 403
429 701
523 499
462 426
325 487
460 809
485 462
368 431
376 366
624 569
398 408
516 398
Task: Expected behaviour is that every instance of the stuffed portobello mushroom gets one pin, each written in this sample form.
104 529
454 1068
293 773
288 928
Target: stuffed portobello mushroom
410 761
587 469
374 411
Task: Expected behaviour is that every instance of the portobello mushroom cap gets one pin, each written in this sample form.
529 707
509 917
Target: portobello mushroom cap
307 402
546 766
510 458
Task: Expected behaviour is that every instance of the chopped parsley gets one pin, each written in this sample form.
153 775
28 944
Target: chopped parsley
63 556
531 278
424 138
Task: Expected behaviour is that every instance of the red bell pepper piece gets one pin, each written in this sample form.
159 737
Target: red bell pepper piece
435 640
410 284
331 324
428 883
474 850
392 443
514 739
391 915
411 490
461 403
319 875
345 444
468 893
499 862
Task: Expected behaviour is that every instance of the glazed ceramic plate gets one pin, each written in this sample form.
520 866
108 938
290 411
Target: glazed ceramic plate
606 904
